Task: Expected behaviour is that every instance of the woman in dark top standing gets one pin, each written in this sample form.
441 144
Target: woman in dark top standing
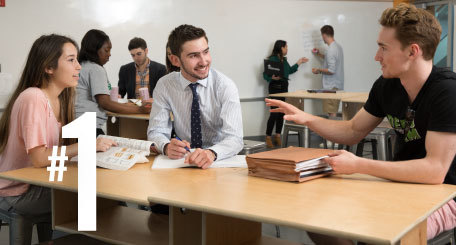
279 85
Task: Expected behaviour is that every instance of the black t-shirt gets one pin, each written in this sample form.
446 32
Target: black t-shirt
433 109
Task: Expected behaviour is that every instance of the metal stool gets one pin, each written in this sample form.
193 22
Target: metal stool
303 133
444 238
251 146
382 141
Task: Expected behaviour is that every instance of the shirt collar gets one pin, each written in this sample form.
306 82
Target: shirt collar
147 66
184 82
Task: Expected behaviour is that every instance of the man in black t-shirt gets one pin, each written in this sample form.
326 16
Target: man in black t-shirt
419 101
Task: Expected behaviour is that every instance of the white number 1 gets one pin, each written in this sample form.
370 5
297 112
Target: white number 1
84 129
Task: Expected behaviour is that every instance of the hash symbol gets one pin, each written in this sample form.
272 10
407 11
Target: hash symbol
61 168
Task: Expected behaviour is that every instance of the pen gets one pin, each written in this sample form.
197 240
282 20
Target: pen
186 148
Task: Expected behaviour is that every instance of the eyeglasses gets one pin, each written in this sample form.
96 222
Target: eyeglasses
409 117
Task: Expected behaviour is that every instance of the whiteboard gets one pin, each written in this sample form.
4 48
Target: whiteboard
241 33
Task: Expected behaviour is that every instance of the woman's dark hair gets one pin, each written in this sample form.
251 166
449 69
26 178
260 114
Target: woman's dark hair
44 54
169 66
92 41
277 50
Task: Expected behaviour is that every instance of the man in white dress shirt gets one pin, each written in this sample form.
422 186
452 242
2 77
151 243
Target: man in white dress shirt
205 104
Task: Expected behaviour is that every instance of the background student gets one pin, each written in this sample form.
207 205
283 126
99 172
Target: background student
30 126
279 85
169 66
333 68
93 90
141 73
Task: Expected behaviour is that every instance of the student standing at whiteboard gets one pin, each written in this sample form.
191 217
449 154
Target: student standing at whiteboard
333 68
93 88
279 85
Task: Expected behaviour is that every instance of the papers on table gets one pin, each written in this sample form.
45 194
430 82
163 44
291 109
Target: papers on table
162 161
125 155
134 101
311 164
289 164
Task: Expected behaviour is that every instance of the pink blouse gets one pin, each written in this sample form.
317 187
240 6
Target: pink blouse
32 124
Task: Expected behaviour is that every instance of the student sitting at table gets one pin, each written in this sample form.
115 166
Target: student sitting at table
418 100
141 73
205 104
169 66
93 90
30 126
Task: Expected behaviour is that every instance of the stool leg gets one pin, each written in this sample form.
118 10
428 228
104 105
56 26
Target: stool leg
300 138
285 137
389 149
306 137
382 148
374 150
360 148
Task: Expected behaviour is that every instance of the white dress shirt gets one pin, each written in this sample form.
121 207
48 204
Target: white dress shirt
221 116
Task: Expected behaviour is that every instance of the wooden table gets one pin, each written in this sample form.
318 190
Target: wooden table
225 206
297 98
351 105
133 126
303 94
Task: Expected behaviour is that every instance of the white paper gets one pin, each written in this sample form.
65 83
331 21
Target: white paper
136 102
162 161
122 100
125 155
311 164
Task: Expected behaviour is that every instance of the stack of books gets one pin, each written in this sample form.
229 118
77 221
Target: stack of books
289 164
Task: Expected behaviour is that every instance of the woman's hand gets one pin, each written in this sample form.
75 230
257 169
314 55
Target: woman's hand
104 144
274 77
145 109
302 60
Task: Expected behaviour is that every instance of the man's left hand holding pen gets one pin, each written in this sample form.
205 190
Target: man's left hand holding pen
177 149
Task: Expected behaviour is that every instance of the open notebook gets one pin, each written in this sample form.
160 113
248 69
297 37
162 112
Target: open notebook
162 161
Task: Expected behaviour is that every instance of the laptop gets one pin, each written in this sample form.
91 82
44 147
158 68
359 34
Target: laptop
273 68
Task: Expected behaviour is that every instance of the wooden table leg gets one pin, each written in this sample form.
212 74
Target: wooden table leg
194 227
417 236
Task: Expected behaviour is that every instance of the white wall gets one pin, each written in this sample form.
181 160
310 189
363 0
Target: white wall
241 35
